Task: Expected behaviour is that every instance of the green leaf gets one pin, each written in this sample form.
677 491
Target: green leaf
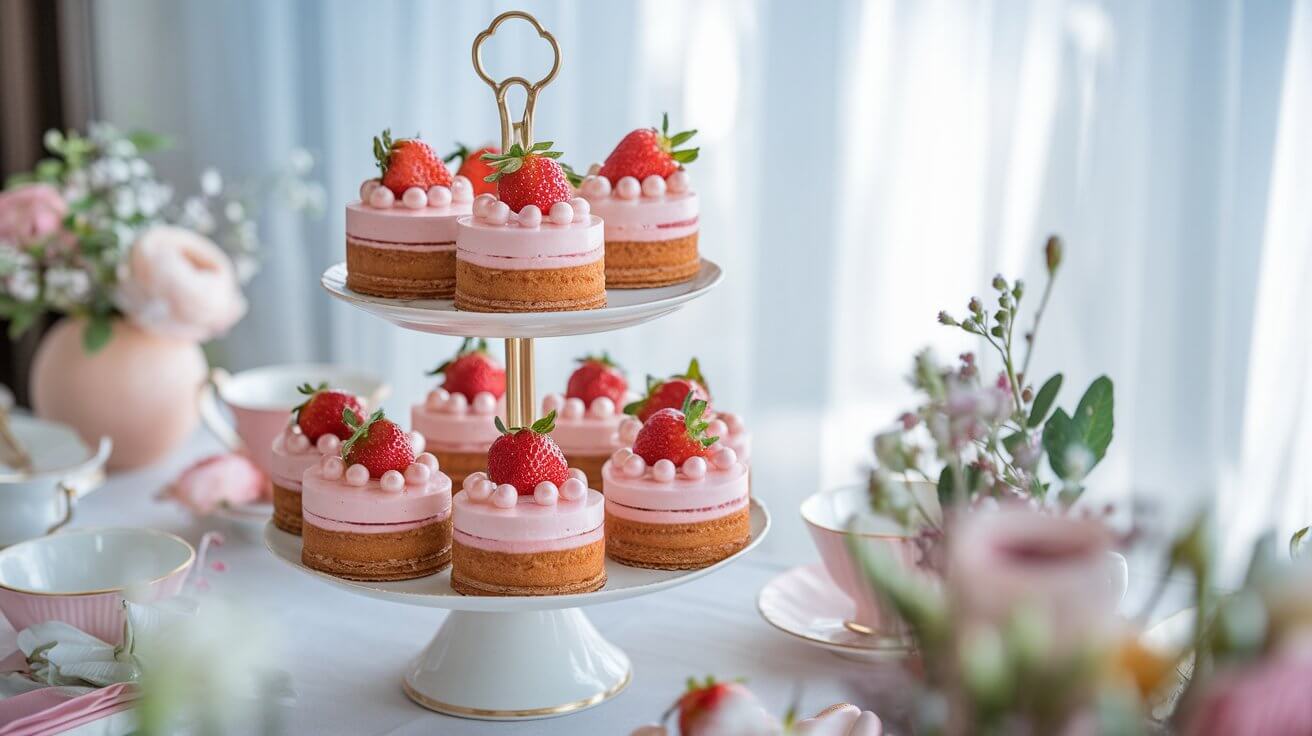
686 156
946 494
1013 441
1297 542
680 138
147 141
97 333
545 424
1058 435
1093 417
500 425
1043 400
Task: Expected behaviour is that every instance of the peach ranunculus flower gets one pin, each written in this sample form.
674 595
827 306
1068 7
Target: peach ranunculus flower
177 283
31 212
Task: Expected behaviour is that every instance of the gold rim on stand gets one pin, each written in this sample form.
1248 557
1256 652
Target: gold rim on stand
492 714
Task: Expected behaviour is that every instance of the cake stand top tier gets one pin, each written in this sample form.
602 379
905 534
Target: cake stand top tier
624 308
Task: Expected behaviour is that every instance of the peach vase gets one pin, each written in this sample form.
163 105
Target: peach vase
139 389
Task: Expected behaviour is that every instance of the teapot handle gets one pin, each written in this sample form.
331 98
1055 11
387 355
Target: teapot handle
69 494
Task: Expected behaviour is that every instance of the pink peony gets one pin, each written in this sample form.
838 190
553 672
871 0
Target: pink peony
1266 698
30 213
177 283
229 478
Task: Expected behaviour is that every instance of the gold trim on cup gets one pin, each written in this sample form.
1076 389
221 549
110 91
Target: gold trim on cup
191 558
494 714
880 643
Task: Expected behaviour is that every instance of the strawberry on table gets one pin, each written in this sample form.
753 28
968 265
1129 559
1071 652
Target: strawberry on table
675 434
713 708
529 177
321 412
649 152
472 370
597 376
669 393
527 456
377 443
408 162
474 168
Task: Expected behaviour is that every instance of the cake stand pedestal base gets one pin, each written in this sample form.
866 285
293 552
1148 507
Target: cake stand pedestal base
516 665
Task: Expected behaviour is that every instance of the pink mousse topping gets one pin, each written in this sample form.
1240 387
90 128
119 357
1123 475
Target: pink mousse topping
497 517
347 498
495 237
417 218
652 210
584 430
452 423
293 453
699 490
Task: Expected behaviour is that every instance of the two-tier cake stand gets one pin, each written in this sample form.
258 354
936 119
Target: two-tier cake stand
500 657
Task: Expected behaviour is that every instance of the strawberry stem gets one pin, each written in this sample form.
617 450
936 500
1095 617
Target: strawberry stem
360 428
542 426
512 160
468 345
670 143
306 389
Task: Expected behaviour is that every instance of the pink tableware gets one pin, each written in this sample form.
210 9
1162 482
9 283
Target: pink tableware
81 577
804 602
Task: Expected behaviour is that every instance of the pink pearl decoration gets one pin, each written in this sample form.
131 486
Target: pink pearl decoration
629 429
417 442
546 493
457 404
298 443
328 444
367 188
428 460
581 209
484 403
573 489
461 189
663 470
717 428
695 468
724 458
473 479
357 475
562 213
417 474
634 467
595 187
628 188
439 196
480 490
505 496
530 216
498 213
381 198
573 408
392 482
733 422
578 473
552 402
482 202
620 456
414 198
653 186
678 182
333 467
602 407
437 399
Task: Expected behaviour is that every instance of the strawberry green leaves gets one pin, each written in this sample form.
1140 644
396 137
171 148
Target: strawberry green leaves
671 142
545 425
693 411
468 345
359 427
513 159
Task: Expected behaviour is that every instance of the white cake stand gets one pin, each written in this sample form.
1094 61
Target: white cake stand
502 657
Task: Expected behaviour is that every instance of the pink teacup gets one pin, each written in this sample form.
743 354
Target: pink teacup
261 401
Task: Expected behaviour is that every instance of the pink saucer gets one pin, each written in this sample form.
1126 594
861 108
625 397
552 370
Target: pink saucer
806 603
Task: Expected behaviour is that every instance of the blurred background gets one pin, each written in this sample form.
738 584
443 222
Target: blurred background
864 165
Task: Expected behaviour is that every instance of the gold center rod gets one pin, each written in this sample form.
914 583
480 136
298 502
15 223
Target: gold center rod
519 381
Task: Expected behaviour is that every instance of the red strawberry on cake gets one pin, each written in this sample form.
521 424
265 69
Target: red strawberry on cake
597 377
670 392
474 167
530 525
376 511
643 194
457 417
321 413
534 247
316 429
400 236
587 414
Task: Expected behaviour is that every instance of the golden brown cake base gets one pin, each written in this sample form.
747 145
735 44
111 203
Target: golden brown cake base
286 509
403 555
677 546
397 273
590 465
457 465
643 265
558 572
480 289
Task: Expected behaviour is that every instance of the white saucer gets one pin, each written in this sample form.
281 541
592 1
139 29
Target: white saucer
806 603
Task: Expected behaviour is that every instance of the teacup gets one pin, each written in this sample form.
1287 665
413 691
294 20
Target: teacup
82 576
261 401
40 500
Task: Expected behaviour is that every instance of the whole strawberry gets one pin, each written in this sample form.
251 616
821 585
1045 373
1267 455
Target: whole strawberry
649 152
526 456
321 412
474 168
712 708
669 393
595 377
408 162
675 434
377 443
472 370
529 177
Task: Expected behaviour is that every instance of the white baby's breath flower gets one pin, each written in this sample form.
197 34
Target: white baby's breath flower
245 267
196 216
301 161
140 168
124 203
22 285
52 139
234 211
117 170
67 287
211 182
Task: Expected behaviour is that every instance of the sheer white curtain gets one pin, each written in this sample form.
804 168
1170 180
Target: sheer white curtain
864 165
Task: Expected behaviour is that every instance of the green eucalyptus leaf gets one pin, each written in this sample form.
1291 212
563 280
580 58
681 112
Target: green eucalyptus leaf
1093 417
946 494
1043 400
1058 435
97 333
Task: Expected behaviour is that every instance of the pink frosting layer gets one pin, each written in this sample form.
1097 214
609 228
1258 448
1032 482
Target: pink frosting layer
407 247
512 247
370 504
341 526
585 430
455 432
401 224
648 219
681 493
528 521
287 467
688 516
529 547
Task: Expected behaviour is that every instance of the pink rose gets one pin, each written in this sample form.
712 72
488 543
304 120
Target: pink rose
1269 697
843 719
229 478
31 212
177 283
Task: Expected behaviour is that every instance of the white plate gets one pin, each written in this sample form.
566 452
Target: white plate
806 603
624 308
435 590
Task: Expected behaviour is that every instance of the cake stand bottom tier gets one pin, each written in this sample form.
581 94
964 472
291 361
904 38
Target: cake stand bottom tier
516 665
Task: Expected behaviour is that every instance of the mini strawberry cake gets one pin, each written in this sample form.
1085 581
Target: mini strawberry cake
316 429
643 194
376 511
530 525
588 415
669 393
677 500
457 419
534 247
401 235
